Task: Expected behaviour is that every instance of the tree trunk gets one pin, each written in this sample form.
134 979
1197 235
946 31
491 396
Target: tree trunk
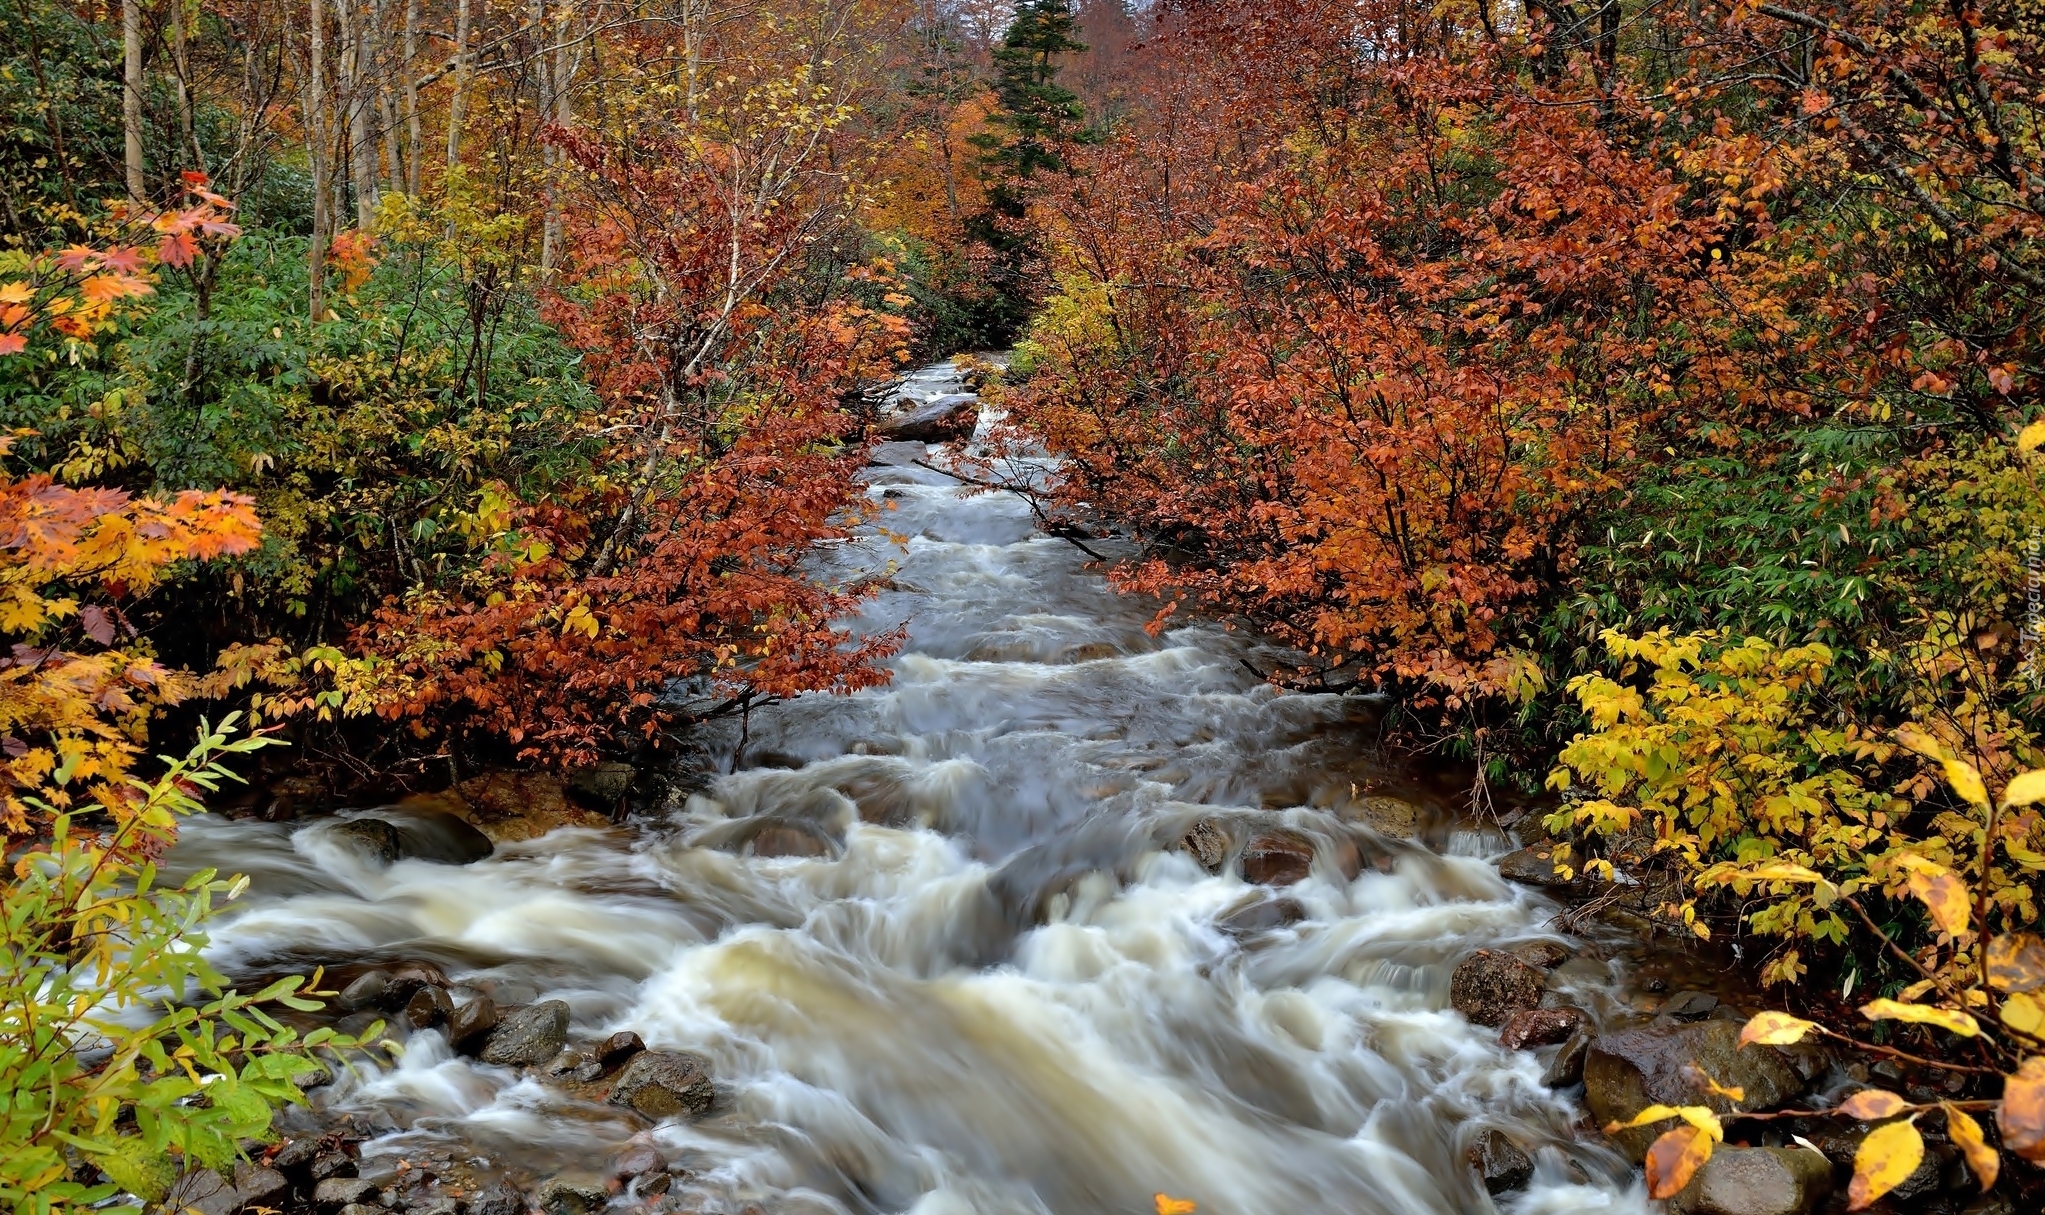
131 96
318 141
456 102
412 126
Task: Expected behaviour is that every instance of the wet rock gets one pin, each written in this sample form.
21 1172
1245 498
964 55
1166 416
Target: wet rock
330 1163
1566 1068
510 806
1539 1027
1206 843
1500 1163
296 1155
604 786
1990 1204
337 1192
1262 916
946 419
296 797
443 839
1690 1006
652 1184
470 1023
1393 816
662 1084
367 991
363 1208
371 838
1545 954
1278 858
1490 986
203 1191
1533 866
428 1007
258 1186
637 1161
1675 1065
572 1195
613 1051
528 1037
1756 1181
498 1199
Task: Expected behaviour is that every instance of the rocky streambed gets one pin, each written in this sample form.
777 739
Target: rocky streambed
1069 916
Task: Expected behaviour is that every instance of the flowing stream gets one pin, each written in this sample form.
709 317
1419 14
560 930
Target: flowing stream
999 987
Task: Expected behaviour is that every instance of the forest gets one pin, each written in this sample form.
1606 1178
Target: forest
1643 402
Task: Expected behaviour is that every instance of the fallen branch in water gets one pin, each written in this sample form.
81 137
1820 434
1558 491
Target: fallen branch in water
1044 522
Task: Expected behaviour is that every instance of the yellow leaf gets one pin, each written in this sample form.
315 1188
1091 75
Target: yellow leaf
2024 789
1922 1014
1653 1113
1885 1158
2032 436
1174 1206
1943 894
1873 1105
1966 1132
1966 781
2016 962
1775 1029
1674 1159
1783 871
2025 1013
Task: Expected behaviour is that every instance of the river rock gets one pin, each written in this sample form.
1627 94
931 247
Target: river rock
367 991
637 1161
615 1050
605 785
1565 1070
1756 1181
1626 1072
337 1192
442 838
1393 816
372 839
1545 954
469 1023
1206 843
1689 1006
428 1007
661 1084
1539 1027
363 1208
258 1186
510 806
1278 858
573 1195
528 1037
1500 1163
499 1199
945 419
1264 915
1490 986
203 1191
789 839
1533 866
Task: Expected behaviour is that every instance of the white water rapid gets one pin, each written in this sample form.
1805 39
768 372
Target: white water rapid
1002 990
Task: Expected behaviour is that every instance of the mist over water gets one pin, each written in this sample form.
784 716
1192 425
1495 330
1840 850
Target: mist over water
1000 989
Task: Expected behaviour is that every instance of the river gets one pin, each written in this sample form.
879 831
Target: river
1000 989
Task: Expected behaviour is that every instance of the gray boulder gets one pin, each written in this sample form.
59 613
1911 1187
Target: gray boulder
528 1037
1533 866
1626 1072
944 419
662 1084
573 1195
371 838
1490 986
469 1024
1756 1181
337 1192
1500 1163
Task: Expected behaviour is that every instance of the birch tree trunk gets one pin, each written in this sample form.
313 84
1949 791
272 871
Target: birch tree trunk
460 98
131 96
318 139
413 136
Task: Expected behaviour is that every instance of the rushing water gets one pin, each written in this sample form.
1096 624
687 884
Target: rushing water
1002 990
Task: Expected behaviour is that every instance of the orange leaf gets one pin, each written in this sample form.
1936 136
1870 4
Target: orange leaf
1173 1206
1980 1157
1872 1104
1885 1158
2022 1112
1675 1158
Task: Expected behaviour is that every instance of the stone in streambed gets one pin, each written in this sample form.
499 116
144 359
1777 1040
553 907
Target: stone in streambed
1207 843
1533 866
1539 1027
1565 1070
944 419
573 1195
337 1192
1626 1072
258 1186
528 1037
367 991
662 1084
1500 1163
615 1050
1545 954
469 1024
1490 986
428 1007
373 839
1756 1181
1278 858
442 838
1393 816
498 1199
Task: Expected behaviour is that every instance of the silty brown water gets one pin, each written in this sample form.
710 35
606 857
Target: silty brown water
1000 989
